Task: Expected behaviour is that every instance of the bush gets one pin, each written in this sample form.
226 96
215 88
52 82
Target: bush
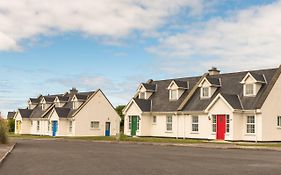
3 132
11 125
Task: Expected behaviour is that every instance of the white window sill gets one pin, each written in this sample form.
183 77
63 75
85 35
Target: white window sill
168 131
250 134
153 123
278 127
95 128
194 132
213 133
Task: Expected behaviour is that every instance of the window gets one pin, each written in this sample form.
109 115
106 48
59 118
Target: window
74 105
38 125
249 89
154 120
169 123
205 92
70 126
142 95
250 124
195 124
49 123
279 121
173 95
214 123
138 123
95 124
43 106
130 122
227 123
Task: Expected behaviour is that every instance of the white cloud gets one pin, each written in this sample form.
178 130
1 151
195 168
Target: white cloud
24 19
249 38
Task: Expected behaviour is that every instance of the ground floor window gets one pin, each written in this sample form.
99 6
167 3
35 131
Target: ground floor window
250 124
95 124
138 123
214 123
130 122
227 123
169 123
154 119
70 126
49 123
279 121
38 125
195 124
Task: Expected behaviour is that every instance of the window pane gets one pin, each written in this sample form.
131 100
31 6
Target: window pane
154 119
249 89
142 95
169 123
205 92
173 94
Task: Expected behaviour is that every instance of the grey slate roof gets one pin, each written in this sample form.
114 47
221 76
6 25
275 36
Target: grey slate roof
64 112
181 84
213 81
11 115
151 87
25 113
34 100
230 88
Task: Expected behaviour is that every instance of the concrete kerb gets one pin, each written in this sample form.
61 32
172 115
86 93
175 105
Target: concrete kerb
2 159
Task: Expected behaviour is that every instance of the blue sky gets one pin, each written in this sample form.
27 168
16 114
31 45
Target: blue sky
52 46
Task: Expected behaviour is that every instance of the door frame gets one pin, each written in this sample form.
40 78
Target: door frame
107 131
134 124
218 126
54 132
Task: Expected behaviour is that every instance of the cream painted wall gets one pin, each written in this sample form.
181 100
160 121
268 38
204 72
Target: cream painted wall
133 110
97 109
270 110
25 124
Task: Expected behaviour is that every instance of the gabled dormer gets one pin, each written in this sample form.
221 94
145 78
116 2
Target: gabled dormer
176 88
208 86
252 83
74 101
32 102
145 90
57 102
43 104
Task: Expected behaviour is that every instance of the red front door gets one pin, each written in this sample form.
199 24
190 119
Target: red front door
220 127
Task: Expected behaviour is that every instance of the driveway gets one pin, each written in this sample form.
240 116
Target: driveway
34 157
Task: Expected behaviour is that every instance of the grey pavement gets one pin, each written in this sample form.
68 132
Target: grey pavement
60 157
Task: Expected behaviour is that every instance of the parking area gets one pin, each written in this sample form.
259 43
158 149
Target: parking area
60 157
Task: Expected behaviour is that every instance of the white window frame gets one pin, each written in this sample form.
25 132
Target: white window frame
279 121
246 93
169 123
227 124
130 122
176 93
154 119
214 123
95 125
251 124
142 95
195 123
202 92
38 126
70 126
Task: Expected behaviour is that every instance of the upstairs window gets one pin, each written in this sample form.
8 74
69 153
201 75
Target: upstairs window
249 89
205 93
173 94
142 95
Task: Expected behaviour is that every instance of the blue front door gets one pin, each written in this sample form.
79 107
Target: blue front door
54 128
107 129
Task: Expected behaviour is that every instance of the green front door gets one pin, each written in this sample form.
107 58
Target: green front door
134 126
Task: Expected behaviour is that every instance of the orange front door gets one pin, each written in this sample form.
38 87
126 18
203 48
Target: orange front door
220 127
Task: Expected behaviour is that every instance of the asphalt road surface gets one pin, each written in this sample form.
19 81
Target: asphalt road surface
31 157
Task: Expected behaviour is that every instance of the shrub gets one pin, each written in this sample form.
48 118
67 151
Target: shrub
11 125
3 132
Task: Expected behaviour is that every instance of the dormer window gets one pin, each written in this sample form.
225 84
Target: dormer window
249 89
205 92
142 95
252 82
173 94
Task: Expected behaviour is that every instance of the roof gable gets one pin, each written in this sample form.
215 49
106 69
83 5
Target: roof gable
258 78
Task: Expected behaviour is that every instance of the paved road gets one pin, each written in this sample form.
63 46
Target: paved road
32 157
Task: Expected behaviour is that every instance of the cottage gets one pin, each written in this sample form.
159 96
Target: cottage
70 114
231 106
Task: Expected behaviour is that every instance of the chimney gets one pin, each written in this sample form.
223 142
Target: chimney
214 71
73 90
